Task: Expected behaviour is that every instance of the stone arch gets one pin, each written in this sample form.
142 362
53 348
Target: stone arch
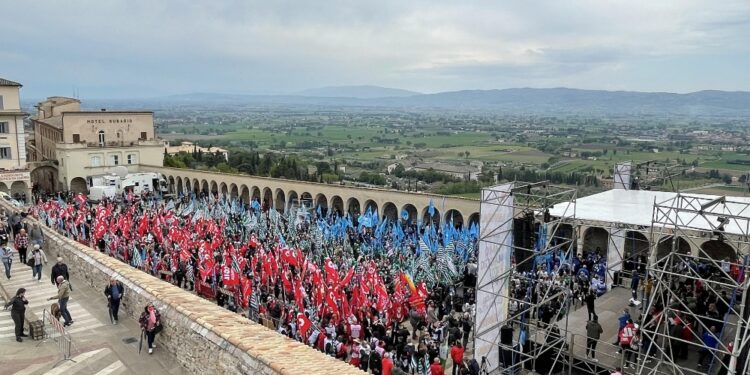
352 207
411 211
245 194
293 200
337 205
179 187
4 188
78 185
474 219
18 188
45 178
233 191
267 197
322 202
280 200
204 187
435 219
255 194
636 248
454 216
223 189
665 245
196 187
371 205
715 249
390 211
214 187
172 185
596 237
306 200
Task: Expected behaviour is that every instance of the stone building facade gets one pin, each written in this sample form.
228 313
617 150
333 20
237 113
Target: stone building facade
15 178
89 143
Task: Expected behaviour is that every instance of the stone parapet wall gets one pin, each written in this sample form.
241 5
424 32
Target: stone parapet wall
205 338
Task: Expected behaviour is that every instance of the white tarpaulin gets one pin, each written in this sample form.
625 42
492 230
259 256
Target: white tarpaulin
622 175
495 248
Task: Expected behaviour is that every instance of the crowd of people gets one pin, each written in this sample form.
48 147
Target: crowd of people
386 295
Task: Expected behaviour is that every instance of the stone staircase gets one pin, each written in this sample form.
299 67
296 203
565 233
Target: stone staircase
96 362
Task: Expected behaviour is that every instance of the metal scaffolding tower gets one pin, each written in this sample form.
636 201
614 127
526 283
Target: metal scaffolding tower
698 243
518 239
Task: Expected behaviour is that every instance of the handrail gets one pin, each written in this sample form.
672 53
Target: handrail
610 358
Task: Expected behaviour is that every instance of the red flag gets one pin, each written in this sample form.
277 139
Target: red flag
332 276
303 324
247 290
347 278
331 301
230 276
288 256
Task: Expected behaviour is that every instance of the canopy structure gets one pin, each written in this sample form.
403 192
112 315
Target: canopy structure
636 207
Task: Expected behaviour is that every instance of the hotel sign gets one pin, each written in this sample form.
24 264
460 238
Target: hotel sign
11 176
111 121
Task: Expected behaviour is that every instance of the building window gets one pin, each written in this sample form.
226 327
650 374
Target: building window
76 138
5 153
115 160
4 127
143 136
132 159
1 102
96 161
101 138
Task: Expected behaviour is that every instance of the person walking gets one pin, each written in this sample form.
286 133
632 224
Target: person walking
150 322
457 355
21 241
36 235
590 297
59 269
114 292
39 258
593 334
63 294
6 253
18 311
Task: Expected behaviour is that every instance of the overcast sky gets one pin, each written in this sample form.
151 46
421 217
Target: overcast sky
157 47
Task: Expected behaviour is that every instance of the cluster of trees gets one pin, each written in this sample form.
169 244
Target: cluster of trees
716 175
529 175
268 164
215 161
429 176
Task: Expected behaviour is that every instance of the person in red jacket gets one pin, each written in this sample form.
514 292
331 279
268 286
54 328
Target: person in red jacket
436 368
457 355
387 364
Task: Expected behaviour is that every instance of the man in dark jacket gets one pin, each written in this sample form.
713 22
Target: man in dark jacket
17 312
59 269
114 292
593 334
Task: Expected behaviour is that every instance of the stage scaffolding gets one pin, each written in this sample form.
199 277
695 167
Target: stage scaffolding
517 233
724 222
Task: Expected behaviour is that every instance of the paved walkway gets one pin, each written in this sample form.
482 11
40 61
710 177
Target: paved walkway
98 346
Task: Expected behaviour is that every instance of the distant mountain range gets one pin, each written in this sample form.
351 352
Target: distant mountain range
360 92
516 100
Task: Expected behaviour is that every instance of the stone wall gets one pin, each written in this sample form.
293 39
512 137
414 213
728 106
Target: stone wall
205 338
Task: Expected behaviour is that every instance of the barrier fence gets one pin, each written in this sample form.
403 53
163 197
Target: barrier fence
59 335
